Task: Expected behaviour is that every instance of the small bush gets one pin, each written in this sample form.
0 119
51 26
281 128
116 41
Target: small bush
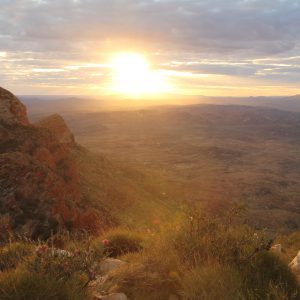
62 264
118 242
14 253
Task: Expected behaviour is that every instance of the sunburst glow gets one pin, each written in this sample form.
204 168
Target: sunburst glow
132 75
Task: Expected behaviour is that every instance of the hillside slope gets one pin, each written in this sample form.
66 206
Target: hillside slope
48 182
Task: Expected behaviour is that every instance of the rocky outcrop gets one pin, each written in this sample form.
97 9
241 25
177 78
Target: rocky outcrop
56 124
12 111
97 287
39 180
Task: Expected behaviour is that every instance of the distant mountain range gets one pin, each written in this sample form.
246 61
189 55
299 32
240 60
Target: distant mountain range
39 106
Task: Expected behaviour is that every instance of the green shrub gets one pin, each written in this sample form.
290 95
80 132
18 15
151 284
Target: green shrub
119 241
22 285
14 253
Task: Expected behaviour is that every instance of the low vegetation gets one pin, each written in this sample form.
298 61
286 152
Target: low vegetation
197 257
120 241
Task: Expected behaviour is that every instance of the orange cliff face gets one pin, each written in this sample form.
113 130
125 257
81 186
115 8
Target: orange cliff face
39 181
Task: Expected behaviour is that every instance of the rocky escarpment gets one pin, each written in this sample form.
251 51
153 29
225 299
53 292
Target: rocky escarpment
39 181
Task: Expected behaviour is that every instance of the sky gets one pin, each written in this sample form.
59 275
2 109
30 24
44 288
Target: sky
202 47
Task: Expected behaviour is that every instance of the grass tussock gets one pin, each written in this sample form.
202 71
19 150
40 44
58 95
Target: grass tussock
120 241
197 257
37 271
20 284
14 253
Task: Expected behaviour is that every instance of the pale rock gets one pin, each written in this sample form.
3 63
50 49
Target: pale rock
295 264
115 296
98 282
62 253
110 264
277 249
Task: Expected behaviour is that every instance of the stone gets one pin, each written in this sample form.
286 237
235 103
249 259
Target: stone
295 264
277 249
115 296
110 264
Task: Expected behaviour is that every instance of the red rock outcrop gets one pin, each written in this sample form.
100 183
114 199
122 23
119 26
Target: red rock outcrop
38 175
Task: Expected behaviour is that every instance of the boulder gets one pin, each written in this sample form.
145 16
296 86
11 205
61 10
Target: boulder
110 264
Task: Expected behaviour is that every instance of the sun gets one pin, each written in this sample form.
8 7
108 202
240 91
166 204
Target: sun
132 76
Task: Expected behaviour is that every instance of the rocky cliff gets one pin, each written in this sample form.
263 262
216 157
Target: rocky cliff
39 181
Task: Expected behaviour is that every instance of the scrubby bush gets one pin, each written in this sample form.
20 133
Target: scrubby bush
5 228
62 264
31 271
121 241
14 253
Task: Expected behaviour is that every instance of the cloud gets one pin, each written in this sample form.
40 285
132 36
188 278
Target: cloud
55 34
213 25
